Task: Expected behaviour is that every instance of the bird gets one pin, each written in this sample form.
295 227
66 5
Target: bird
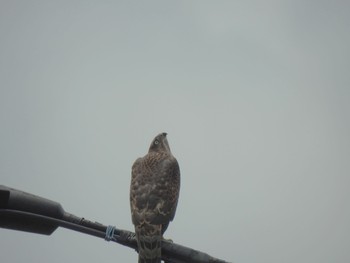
154 194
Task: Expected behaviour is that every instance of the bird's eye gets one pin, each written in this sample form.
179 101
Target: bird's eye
156 142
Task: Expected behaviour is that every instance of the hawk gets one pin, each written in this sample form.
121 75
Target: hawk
154 192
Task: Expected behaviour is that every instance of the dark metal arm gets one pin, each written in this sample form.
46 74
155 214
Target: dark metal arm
26 212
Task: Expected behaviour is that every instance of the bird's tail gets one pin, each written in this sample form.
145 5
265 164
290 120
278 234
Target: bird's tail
149 238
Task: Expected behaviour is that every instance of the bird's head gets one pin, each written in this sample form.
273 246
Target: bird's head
160 144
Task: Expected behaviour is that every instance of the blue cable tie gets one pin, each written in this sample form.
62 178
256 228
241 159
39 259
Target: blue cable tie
109 233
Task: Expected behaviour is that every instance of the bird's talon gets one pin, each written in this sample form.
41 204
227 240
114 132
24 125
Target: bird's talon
168 240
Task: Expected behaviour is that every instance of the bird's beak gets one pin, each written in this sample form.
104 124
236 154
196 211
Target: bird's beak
165 134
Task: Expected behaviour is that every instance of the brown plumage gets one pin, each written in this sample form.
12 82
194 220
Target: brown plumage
154 192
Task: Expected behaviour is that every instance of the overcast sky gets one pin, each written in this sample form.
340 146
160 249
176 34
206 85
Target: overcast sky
254 96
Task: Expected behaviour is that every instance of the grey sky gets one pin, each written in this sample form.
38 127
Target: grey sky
253 94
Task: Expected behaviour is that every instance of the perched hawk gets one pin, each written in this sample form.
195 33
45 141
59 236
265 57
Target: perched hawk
154 192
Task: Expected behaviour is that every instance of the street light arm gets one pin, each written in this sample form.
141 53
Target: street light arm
27 212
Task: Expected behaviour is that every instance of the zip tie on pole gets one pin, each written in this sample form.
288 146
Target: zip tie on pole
110 233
